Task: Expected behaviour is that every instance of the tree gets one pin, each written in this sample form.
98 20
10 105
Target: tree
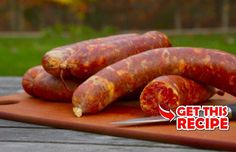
225 15
16 15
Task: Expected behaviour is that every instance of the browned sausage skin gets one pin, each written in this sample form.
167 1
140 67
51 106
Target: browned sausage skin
171 91
211 67
39 83
53 60
93 58
29 77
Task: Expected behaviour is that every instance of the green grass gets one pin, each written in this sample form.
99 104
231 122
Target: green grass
216 41
19 54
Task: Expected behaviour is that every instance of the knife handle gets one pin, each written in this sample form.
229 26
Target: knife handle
232 111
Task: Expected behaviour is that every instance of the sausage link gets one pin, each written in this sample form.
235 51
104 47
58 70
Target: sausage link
53 60
93 58
39 83
211 67
29 77
171 91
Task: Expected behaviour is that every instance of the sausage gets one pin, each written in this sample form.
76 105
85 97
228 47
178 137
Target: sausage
43 85
208 66
171 91
53 59
52 88
28 79
93 58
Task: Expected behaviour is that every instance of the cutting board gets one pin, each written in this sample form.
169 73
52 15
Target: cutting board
22 107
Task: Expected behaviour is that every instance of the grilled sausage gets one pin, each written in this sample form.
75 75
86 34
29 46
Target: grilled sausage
28 79
208 66
93 58
171 91
53 60
39 83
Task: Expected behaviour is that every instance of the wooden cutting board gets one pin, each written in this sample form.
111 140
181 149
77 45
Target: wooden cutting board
22 107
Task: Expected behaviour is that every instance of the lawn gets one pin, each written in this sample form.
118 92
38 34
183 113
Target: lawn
20 53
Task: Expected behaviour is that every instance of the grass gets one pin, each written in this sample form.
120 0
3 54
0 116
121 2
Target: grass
20 53
216 41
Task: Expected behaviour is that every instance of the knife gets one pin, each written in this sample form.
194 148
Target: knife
158 119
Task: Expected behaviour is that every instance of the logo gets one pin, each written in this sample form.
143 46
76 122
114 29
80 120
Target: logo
194 117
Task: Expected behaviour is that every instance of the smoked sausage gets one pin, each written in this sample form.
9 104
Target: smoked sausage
29 77
171 91
93 58
208 66
53 59
38 83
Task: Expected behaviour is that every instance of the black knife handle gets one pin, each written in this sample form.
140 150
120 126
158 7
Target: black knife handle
232 111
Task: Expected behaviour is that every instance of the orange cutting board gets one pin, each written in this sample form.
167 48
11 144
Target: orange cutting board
22 107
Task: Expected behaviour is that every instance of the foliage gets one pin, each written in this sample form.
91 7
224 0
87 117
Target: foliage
77 31
126 15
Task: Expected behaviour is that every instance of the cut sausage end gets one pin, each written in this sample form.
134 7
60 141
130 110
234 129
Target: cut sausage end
77 111
171 91
158 92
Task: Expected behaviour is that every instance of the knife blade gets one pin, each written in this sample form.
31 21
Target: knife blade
140 121
158 119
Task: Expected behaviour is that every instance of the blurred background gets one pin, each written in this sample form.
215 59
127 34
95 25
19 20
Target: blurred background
29 28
